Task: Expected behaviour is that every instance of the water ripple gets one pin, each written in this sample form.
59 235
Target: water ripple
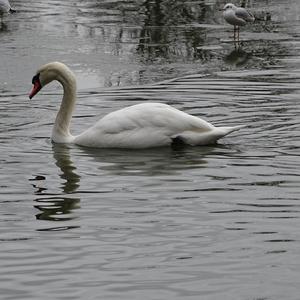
217 222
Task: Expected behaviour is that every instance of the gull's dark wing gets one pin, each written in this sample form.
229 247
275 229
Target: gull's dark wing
244 14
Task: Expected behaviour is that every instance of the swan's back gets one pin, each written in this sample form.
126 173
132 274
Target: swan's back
154 115
141 126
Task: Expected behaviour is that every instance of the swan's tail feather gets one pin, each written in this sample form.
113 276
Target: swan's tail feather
203 138
228 130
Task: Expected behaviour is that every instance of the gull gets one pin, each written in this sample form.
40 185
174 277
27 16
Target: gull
237 16
5 7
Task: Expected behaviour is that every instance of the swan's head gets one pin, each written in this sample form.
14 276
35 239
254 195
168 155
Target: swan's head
49 72
229 6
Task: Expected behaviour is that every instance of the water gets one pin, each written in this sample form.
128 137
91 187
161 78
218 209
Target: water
218 222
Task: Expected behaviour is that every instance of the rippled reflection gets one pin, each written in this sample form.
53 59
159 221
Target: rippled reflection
151 162
237 57
61 154
58 207
3 27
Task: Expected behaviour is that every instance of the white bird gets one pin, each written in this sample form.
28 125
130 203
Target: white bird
5 7
237 16
139 126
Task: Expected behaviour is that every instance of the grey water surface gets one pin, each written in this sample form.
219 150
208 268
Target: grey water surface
215 222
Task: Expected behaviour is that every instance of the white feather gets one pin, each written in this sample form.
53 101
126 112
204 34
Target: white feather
4 6
237 16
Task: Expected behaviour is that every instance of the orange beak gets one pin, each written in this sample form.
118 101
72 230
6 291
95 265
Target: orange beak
35 89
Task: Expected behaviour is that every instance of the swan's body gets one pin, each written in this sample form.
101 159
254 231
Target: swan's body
5 7
147 125
139 126
237 16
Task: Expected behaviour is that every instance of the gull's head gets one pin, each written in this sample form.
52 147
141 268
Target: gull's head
229 6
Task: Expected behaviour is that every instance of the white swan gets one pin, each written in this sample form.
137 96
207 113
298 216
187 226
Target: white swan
139 126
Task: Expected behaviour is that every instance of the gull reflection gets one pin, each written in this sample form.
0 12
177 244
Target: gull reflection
3 26
237 57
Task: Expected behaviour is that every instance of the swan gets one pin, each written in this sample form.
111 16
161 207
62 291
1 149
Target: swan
237 16
138 126
5 7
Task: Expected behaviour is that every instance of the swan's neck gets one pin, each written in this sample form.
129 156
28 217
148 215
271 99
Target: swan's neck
61 130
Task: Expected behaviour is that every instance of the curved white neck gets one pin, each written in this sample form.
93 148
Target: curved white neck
61 130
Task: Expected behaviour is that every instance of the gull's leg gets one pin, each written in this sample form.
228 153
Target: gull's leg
234 32
234 37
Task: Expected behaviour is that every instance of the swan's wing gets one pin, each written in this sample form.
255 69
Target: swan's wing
153 116
244 14
142 125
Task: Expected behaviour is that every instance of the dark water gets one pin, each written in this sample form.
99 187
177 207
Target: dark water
218 222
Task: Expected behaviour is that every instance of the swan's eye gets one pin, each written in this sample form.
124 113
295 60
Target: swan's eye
36 78
36 85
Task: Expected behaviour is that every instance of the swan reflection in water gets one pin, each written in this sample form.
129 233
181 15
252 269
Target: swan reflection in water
60 206
61 154
147 162
105 165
